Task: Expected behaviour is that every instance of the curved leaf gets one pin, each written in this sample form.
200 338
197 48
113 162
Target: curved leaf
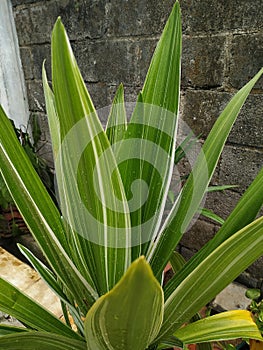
117 121
148 146
212 275
224 326
6 330
130 315
20 306
32 200
198 181
95 213
243 214
40 341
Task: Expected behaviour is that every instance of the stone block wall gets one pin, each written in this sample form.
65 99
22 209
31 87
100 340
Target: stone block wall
113 41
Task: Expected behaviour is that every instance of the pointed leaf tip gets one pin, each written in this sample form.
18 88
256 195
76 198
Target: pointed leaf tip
116 319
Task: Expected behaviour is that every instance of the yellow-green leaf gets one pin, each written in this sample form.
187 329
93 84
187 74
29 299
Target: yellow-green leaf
130 315
224 326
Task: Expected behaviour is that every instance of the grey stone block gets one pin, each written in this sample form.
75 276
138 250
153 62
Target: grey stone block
36 99
248 128
203 16
22 2
256 269
39 54
222 202
243 15
84 18
201 109
246 58
215 15
203 61
35 22
107 61
144 49
27 62
186 253
240 166
99 94
198 235
43 125
248 280
22 22
132 18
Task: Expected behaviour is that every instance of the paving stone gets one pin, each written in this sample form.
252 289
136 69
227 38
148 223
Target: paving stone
9 320
232 298
28 281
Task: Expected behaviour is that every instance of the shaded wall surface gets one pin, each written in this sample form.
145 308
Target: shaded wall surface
113 42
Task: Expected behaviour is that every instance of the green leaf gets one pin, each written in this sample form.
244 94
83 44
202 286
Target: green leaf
32 200
253 293
211 215
186 145
242 215
220 188
54 125
130 315
20 306
171 342
198 181
40 341
145 156
51 281
224 326
5 330
177 261
212 275
117 121
96 215
162 82
44 272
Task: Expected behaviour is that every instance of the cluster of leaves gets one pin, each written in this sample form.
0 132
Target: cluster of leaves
38 163
106 266
256 306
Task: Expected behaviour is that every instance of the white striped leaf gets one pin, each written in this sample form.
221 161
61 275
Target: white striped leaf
223 326
91 193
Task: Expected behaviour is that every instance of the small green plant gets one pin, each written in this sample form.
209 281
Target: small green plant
256 306
107 247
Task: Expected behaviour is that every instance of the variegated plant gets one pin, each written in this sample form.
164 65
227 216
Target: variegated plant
106 250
